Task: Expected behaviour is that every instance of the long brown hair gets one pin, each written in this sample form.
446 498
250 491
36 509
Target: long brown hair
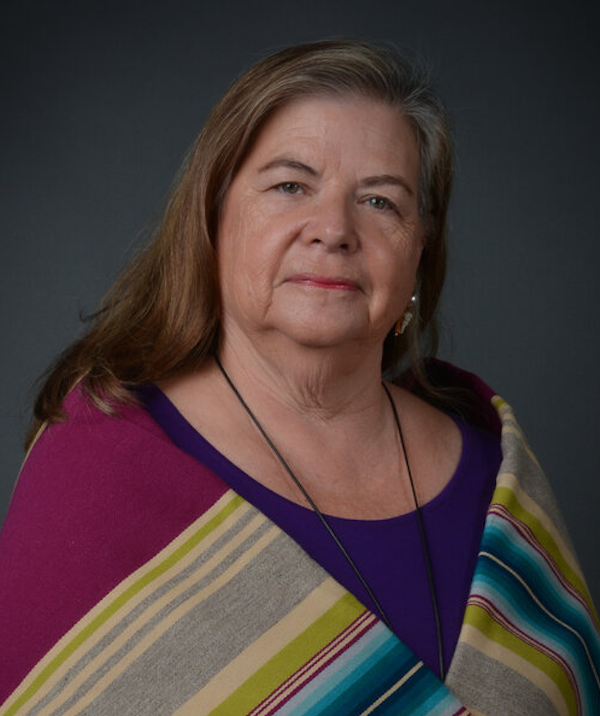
161 316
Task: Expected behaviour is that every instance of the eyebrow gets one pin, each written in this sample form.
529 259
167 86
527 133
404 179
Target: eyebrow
379 180
289 163
387 179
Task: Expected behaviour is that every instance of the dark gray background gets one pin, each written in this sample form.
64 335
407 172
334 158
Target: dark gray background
100 101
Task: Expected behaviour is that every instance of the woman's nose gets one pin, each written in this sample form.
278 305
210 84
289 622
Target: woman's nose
333 224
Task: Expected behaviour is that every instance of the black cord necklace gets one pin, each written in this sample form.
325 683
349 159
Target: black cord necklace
329 529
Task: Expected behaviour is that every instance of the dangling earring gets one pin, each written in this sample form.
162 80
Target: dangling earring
406 317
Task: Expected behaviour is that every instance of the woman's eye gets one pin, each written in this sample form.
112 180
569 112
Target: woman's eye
378 202
289 187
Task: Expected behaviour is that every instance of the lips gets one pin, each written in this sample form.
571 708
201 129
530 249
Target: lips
334 283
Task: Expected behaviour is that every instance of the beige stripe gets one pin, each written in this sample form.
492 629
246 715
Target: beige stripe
503 409
153 609
509 480
120 589
172 619
472 636
506 414
264 648
36 437
393 689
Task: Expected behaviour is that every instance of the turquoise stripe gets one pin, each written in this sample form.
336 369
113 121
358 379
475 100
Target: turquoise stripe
381 677
447 706
362 674
524 613
327 685
546 588
422 687
361 688
525 561
521 555
516 604
512 599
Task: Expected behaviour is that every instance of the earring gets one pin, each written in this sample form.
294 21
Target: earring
406 317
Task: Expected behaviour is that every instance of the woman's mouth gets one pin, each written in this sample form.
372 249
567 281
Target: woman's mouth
335 283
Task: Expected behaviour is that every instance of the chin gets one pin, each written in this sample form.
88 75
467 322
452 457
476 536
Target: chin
323 336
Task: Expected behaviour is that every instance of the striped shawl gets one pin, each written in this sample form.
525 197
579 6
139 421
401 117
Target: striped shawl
229 616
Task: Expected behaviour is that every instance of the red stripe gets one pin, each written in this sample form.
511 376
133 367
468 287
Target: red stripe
327 655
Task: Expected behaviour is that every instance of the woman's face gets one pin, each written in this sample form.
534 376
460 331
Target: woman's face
320 236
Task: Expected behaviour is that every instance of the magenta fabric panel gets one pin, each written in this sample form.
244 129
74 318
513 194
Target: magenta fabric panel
97 497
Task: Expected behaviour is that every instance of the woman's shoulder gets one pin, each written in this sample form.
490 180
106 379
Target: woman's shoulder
91 450
103 462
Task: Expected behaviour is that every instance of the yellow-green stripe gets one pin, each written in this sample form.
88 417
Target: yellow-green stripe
292 657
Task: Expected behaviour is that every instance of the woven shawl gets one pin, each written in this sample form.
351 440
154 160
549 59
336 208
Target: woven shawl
232 617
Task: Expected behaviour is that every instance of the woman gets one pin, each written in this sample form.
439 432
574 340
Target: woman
227 511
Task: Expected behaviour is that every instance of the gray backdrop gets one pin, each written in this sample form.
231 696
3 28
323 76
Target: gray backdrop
101 99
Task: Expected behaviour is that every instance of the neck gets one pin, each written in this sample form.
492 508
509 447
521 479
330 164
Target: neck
320 383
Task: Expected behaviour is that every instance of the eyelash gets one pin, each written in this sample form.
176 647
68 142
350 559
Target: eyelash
389 205
293 187
285 186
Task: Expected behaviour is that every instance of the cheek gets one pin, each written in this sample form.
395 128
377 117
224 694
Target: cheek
399 258
233 240
247 260
395 277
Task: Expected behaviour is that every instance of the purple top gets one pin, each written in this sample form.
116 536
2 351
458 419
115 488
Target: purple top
388 552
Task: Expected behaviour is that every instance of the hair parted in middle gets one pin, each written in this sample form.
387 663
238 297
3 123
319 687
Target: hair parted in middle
161 317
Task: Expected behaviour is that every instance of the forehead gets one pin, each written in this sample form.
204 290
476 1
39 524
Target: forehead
348 125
